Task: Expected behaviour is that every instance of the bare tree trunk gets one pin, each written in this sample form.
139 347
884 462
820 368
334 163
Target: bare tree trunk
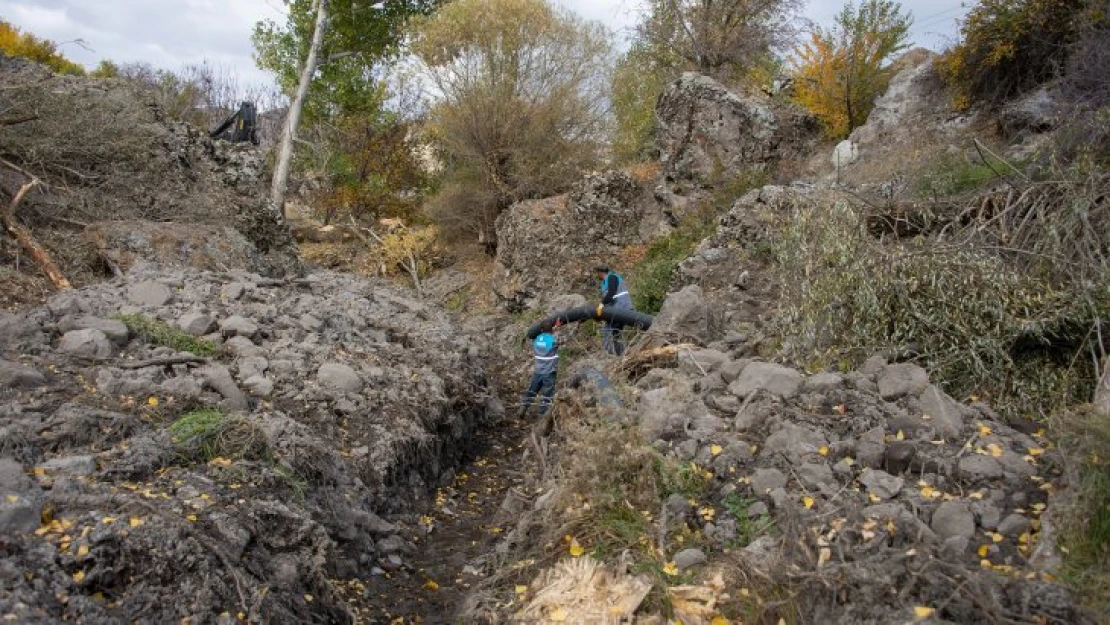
21 234
293 117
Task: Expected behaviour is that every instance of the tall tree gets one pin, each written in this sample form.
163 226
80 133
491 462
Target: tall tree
328 56
521 107
840 71
720 38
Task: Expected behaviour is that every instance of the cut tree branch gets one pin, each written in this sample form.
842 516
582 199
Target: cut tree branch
21 234
12 121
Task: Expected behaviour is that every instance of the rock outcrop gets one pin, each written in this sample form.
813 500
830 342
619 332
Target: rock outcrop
550 244
709 134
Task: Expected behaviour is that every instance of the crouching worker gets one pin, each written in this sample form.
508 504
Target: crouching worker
546 351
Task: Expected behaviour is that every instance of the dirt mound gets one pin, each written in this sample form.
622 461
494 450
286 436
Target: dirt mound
216 447
105 154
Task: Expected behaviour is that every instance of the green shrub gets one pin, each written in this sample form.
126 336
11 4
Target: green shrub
1084 438
651 278
952 176
1011 46
747 528
1010 322
162 333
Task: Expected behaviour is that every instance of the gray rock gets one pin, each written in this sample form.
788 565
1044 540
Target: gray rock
762 553
844 154
757 510
817 476
775 379
701 361
677 507
823 383
259 385
564 301
732 369
686 450
116 331
150 294
233 536
15 375
898 456
881 483
685 315
394 544
688 558
20 500
765 480
252 366
974 468
196 324
340 377
725 402
873 366
943 412
953 518
232 291
987 514
1014 525
310 323
794 442
90 343
901 380
237 325
704 131
219 379
70 465
243 347
17 329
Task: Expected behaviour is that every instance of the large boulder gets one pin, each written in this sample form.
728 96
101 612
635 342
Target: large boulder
686 314
185 245
550 244
706 132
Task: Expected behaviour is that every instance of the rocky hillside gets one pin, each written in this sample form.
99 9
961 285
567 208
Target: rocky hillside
120 183
181 444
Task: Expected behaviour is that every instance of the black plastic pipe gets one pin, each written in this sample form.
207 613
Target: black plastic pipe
584 313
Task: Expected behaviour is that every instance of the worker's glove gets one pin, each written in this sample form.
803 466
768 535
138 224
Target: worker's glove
558 322
600 307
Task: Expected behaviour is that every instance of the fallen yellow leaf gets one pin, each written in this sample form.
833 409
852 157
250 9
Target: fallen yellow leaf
431 585
576 550
12 498
900 435
135 521
309 598
874 498
807 501
82 551
520 590
1035 451
108 520
79 576
984 550
559 615
823 450
719 620
670 568
715 449
849 461
995 536
192 517
152 402
977 495
921 611
995 450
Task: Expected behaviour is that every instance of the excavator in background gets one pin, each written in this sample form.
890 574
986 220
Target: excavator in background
240 127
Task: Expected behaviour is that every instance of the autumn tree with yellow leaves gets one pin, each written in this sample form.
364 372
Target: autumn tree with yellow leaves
840 71
15 43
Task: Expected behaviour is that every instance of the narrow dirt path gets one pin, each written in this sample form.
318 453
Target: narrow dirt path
431 583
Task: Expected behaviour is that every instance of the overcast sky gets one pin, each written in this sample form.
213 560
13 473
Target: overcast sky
172 33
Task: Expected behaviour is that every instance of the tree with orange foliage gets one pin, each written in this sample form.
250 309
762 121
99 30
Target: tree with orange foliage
25 45
839 72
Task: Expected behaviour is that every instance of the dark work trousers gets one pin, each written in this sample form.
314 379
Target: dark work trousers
543 384
611 338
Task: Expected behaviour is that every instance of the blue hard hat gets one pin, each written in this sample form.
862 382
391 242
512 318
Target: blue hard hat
544 341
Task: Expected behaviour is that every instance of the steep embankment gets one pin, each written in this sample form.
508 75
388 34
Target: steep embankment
181 445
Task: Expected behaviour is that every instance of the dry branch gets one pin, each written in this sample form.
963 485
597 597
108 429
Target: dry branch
167 361
21 234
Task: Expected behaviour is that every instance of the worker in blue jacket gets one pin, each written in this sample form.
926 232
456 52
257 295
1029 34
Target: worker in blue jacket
545 348
614 293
